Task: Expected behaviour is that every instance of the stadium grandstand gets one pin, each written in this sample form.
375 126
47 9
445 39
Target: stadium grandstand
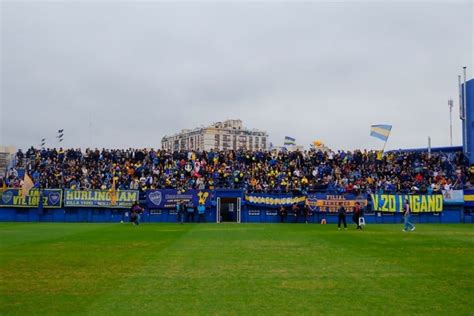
405 171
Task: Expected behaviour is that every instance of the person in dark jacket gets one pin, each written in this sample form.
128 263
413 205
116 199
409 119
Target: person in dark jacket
190 209
307 213
341 217
180 211
296 212
282 214
135 212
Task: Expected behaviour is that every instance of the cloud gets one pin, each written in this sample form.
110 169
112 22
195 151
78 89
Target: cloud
125 74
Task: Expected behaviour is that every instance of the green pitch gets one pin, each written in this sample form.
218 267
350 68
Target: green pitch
236 269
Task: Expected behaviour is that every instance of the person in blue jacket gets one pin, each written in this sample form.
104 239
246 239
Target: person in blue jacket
202 213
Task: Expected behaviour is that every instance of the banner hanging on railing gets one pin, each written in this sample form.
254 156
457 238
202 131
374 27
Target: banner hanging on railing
168 198
469 198
51 198
99 198
273 200
453 196
320 202
418 203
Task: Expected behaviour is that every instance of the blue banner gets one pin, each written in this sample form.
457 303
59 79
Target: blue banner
321 202
51 198
168 198
273 200
418 203
469 198
99 198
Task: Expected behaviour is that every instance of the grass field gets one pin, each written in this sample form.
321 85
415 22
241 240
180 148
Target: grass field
237 269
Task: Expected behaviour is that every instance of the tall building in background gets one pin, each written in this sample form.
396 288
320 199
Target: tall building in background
7 154
227 135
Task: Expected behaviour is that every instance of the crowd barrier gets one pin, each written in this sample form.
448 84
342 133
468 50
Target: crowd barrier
160 206
253 215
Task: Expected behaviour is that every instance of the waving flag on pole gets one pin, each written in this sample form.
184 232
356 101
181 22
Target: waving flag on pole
27 185
289 141
380 131
113 193
60 135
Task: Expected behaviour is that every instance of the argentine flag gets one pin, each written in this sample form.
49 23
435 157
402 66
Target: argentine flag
380 131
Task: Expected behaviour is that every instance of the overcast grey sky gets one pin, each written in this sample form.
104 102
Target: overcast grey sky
125 74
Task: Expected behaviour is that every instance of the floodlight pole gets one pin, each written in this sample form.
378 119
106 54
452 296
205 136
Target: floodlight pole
464 103
450 105
461 105
429 147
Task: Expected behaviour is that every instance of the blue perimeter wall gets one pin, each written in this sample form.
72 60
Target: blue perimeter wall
451 214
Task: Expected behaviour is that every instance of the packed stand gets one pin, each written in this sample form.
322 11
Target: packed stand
267 172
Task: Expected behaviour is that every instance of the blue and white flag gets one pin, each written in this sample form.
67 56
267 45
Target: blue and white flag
380 131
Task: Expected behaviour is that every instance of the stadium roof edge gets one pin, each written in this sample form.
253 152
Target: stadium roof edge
423 149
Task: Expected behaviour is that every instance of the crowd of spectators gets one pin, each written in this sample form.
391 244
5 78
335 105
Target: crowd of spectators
269 172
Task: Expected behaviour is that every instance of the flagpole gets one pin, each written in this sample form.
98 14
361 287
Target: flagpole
386 140
41 196
384 144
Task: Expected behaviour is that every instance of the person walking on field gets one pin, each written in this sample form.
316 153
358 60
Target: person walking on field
357 215
341 218
408 226
136 210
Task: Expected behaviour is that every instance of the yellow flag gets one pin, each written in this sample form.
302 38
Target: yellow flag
27 185
113 196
